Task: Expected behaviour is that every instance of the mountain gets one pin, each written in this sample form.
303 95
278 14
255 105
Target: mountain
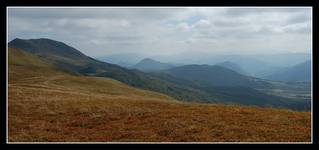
187 83
227 86
214 76
63 56
251 64
124 60
148 64
284 59
232 66
26 68
258 65
299 72
60 55
51 105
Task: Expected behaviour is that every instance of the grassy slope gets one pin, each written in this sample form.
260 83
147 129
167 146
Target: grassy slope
48 105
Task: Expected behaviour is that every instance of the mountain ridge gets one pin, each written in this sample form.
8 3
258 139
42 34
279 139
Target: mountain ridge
299 72
172 85
211 74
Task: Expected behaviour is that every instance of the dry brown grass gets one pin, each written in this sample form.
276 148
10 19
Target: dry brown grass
54 106
54 114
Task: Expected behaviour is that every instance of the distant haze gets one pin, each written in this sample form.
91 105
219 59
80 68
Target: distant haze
168 31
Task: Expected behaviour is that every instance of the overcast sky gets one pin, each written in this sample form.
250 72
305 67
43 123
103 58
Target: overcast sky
167 31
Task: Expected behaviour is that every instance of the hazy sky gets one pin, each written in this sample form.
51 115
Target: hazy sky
167 31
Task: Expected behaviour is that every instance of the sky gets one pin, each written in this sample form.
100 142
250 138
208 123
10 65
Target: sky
168 31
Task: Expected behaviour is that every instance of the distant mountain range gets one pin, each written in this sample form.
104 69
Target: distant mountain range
124 60
148 64
202 83
299 72
258 65
214 76
232 66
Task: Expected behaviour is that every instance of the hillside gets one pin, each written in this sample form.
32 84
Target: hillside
47 104
148 64
299 72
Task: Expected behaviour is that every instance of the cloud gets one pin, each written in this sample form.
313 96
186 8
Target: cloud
184 26
164 31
